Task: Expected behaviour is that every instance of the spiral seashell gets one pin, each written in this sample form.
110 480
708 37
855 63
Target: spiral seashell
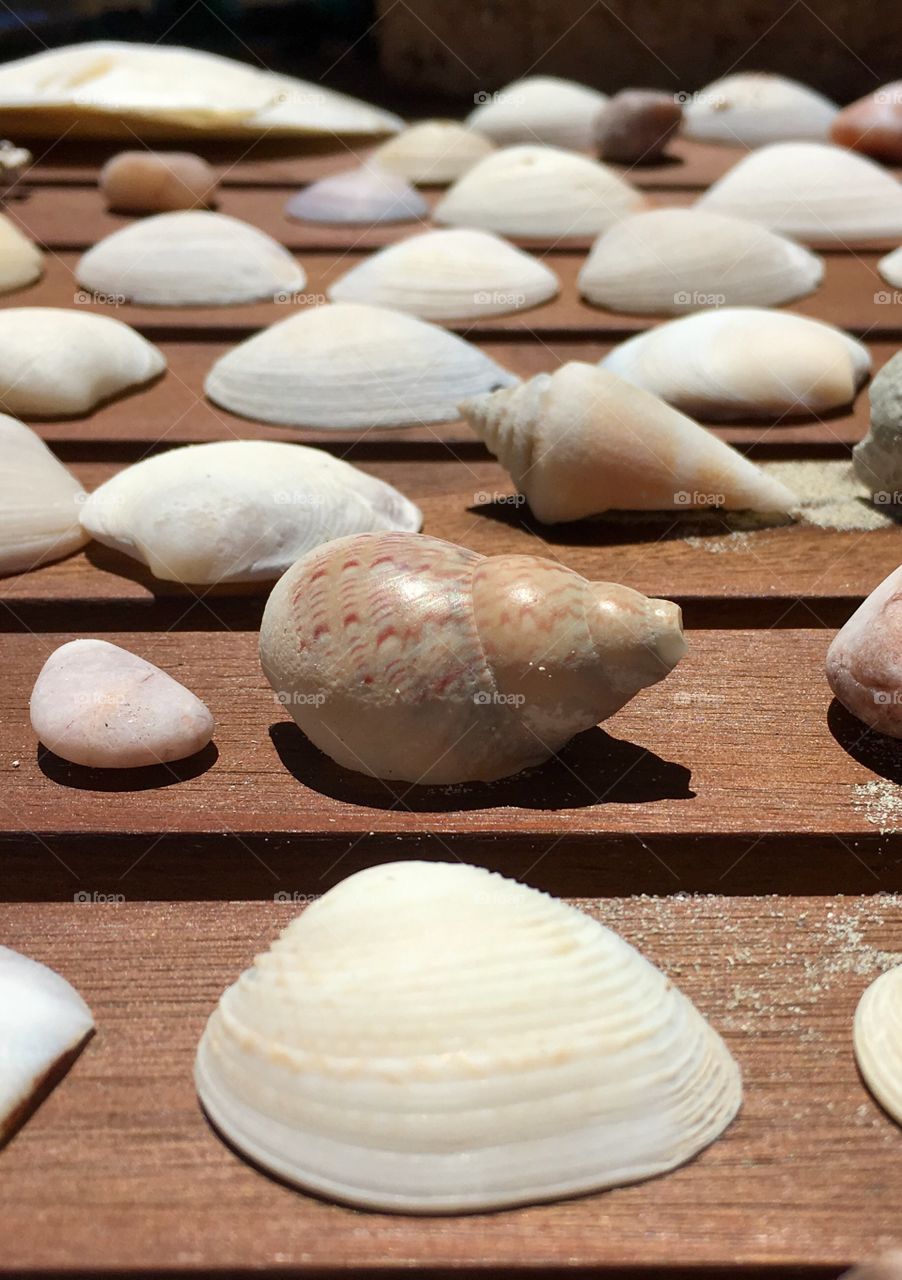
864 662
878 1040
407 657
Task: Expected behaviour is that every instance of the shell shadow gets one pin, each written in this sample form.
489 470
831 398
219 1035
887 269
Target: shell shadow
151 778
593 769
876 751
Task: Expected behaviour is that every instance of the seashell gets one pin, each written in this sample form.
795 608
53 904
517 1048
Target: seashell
364 195
238 510
873 124
671 261
407 657
540 109
55 361
157 181
449 275
864 662
479 1045
890 267
350 366
878 1040
97 705
581 441
191 258
40 502
820 194
878 457
636 125
43 1023
433 152
14 163
744 362
887 1267
753 108
21 262
539 191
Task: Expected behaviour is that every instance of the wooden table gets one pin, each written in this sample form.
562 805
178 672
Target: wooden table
733 822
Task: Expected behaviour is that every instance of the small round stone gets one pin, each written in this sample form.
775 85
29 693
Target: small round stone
157 182
635 126
873 125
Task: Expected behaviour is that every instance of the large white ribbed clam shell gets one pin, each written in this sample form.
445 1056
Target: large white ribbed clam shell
753 108
191 258
673 261
239 510
540 109
878 1040
431 1037
449 275
42 1021
744 362
21 262
349 365
539 191
820 194
581 441
56 361
40 502
433 152
367 195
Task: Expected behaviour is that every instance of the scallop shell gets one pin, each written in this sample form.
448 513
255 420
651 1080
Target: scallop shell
539 191
192 258
864 662
878 1040
479 1045
581 441
433 152
21 262
40 502
672 261
43 1022
743 362
753 108
365 195
55 361
820 194
540 109
350 366
239 510
449 275
402 656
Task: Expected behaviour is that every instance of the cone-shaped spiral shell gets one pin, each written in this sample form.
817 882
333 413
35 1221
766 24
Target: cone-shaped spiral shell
878 457
21 262
743 362
477 1044
820 194
864 662
878 1040
40 502
673 261
433 152
55 361
581 441
752 108
449 275
873 124
349 366
42 1021
407 657
539 191
192 258
366 195
239 510
540 109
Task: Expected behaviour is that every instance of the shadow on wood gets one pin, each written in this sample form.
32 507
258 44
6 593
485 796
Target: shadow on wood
151 778
876 751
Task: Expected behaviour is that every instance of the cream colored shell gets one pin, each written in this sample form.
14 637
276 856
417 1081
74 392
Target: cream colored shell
21 262
367 195
540 109
752 108
40 502
433 152
878 1040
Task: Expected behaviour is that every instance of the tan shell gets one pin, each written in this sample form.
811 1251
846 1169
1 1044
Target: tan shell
157 181
433 152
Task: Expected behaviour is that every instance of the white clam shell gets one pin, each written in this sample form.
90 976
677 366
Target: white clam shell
673 261
878 1040
539 191
349 366
21 262
820 194
239 510
191 258
430 1037
449 275
42 1020
433 152
744 362
581 441
367 195
753 108
40 502
890 267
55 361
540 109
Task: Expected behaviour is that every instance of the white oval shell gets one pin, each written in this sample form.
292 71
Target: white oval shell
430 1037
365 195
540 109
21 262
433 152
878 1040
890 267
40 502
752 108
